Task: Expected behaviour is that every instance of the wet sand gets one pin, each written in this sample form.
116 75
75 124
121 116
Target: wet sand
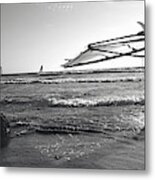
93 152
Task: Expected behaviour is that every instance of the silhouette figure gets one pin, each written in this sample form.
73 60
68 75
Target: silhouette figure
41 69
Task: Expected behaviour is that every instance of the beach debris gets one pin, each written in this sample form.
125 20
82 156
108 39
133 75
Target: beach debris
68 158
22 132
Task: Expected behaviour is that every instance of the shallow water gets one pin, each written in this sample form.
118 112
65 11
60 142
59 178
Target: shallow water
75 119
76 103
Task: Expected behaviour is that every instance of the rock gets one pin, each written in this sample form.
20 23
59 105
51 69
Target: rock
4 131
57 157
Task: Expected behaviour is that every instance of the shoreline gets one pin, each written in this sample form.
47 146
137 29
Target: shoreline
107 153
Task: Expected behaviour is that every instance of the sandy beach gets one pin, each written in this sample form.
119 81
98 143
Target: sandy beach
99 153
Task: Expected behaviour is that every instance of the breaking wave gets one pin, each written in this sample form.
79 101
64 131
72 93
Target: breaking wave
79 102
70 80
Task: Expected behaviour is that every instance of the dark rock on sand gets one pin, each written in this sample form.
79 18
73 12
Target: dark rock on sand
140 135
4 131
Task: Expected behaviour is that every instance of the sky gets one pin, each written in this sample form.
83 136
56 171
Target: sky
46 34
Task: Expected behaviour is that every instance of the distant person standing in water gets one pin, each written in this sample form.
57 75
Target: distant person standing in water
41 69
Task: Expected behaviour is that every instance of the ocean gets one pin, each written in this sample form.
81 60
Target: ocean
73 108
107 100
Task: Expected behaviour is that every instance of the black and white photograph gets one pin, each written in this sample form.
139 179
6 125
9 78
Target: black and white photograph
72 83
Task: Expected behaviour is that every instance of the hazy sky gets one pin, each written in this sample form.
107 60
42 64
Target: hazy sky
47 33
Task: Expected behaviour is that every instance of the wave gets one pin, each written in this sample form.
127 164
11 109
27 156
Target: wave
80 102
77 102
76 129
86 71
71 80
126 124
